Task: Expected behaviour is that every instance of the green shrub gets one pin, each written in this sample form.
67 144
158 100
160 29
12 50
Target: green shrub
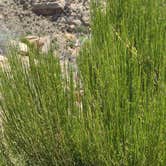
123 72
35 109
115 115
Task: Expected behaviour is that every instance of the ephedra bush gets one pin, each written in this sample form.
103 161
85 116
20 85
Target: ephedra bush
123 71
118 114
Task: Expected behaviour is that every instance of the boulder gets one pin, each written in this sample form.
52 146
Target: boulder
48 8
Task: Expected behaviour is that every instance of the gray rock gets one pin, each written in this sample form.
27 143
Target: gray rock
48 8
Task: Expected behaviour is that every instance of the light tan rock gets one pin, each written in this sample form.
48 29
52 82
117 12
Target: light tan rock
4 65
1 17
42 43
3 59
70 36
32 39
22 47
45 43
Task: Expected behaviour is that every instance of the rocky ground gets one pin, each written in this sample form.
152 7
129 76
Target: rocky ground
65 21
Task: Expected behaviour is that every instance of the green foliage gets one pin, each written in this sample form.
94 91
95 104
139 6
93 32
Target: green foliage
120 117
123 74
35 109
